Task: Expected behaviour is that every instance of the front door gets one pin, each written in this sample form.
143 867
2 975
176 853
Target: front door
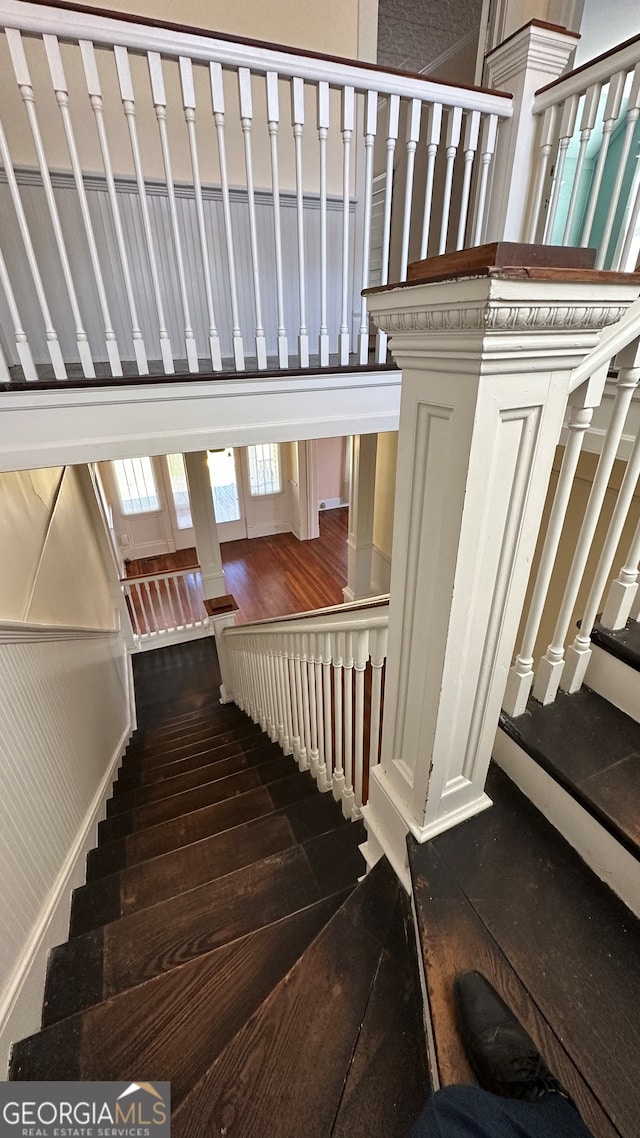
225 469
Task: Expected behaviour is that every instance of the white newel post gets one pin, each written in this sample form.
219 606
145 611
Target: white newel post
364 450
529 59
486 362
204 524
218 625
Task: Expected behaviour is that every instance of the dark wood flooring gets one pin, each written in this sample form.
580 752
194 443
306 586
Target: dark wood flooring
222 928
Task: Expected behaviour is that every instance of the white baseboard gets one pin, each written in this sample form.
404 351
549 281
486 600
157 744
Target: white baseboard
21 1003
265 529
332 504
616 681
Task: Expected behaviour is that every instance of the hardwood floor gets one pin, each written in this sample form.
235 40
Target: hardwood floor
276 575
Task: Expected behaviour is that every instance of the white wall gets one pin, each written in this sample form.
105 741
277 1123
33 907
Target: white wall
64 720
331 455
383 514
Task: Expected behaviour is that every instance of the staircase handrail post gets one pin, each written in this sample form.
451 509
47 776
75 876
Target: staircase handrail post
486 358
530 58
225 655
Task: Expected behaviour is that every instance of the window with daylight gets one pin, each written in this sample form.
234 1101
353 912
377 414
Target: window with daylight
136 485
222 472
179 490
264 469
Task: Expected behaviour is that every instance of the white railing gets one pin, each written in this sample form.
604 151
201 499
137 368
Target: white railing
586 187
201 204
606 559
166 607
315 684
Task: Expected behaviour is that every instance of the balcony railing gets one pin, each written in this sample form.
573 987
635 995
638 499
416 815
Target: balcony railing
165 608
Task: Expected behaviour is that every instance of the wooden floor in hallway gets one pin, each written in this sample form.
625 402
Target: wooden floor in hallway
275 575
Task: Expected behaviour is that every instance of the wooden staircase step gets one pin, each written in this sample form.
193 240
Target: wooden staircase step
243 730
199 824
190 780
283 1073
132 777
142 747
177 1023
146 883
143 817
145 738
504 893
136 947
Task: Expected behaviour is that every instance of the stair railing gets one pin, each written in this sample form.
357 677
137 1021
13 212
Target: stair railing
199 202
166 608
315 684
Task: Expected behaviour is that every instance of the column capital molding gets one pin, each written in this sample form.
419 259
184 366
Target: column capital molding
542 47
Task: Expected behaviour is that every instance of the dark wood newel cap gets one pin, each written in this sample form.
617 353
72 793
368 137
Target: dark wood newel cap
512 260
217 606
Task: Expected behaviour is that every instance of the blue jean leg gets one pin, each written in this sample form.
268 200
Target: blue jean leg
469 1112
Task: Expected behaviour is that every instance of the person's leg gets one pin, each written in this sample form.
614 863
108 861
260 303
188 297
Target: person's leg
470 1112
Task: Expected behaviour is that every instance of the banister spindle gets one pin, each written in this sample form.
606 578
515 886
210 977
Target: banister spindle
359 664
348 798
314 753
321 774
5 374
273 121
94 91
306 701
567 126
58 79
487 148
452 140
587 123
338 768
392 137
610 117
413 134
290 642
379 639
434 127
348 113
159 97
370 123
297 122
129 107
633 111
547 140
469 147
189 104
23 79
624 590
246 121
327 709
218 107
22 344
283 669
323 134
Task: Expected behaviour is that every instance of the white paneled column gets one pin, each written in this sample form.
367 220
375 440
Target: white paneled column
364 450
486 365
204 524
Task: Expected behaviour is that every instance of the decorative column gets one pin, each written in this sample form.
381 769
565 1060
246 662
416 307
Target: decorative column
362 489
486 358
204 524
530 58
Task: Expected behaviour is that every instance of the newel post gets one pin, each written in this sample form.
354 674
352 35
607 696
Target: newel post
486 357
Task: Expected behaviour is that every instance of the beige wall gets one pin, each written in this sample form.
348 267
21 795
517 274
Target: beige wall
330 459
51 569
385 492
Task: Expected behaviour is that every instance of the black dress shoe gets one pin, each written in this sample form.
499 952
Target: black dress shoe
504 1058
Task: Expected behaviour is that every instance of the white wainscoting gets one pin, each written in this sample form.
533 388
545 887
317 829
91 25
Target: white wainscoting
66 714
35 205
380 572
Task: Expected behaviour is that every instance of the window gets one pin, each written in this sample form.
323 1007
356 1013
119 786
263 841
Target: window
136 485
264 469
179 490
222 472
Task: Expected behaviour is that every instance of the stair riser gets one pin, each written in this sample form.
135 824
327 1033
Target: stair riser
162 758
139 779
615 681
142 747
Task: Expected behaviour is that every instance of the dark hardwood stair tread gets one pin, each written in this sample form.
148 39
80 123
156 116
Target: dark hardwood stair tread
160 758
145 738
141 747
283 1073
133 779
625 643
166 1024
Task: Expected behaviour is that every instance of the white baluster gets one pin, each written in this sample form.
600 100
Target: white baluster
189 104
246 121
392 137
297 120
262 690
58 79
5 375
283 672
348 797
22 344
378 642
624 589
434 126
147 606
567 125
306 713
338 769
273 120
550 672
159 97
470 145
293 690
348 113
633 111
452 139
217 103
610 117
520 678
587 123
547 140
128 590
23 78
95 96
326 703
299 746
274 710
360 664
321 774
487 148
370 122
165 582
323 133
314 753
129 107
413 134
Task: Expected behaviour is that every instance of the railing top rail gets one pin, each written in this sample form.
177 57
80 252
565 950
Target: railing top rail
369 616
611 341
141 34
350 606
598 70
140 578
